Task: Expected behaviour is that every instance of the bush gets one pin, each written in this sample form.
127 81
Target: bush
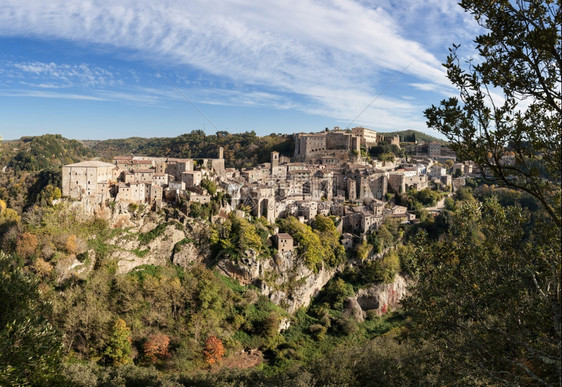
148 237
118 351
214 350
210 186
383 270
156 347
318 331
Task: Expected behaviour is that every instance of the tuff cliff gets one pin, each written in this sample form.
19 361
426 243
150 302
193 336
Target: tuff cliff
144 237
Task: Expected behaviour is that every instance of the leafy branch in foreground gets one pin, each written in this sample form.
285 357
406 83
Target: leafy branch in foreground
507 119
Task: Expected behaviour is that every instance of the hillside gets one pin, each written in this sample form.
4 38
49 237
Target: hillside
240 149
40 152
411 135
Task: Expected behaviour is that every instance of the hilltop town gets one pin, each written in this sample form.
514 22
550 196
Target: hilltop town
329 173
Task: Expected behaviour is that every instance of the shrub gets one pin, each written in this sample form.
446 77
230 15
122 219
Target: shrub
26 245
156 347
118 350
214 350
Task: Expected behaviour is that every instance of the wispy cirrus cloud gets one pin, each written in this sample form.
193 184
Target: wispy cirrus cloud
333 55
53 75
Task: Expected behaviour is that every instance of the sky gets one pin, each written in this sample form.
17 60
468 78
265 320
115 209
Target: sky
99 69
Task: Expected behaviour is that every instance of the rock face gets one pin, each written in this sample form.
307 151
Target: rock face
157 252
379 298
127 249
283 278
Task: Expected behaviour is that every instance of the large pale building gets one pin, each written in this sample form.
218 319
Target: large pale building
368 136
88 178
337 143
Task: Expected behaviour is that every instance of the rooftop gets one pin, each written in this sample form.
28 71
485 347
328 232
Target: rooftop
91 163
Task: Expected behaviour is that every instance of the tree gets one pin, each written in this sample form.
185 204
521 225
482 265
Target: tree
156 347
489 294
487 297
30 347
521 60
214 350
26 244
118 350
209 185
363 251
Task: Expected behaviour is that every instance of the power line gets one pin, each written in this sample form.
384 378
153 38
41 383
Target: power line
183 95
382 91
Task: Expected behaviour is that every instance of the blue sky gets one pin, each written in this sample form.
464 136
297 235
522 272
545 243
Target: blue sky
94 69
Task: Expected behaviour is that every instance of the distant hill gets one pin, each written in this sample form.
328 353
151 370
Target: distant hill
240 149
413 136
36 153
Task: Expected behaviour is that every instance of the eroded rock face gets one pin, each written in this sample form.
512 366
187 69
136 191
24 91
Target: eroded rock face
283 278
381 297
189 254
352 307
157 252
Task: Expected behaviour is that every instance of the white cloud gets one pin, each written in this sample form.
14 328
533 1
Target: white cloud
48 94
336 54
52 75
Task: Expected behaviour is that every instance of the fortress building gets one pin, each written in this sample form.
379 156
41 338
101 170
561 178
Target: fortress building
335 143
88 178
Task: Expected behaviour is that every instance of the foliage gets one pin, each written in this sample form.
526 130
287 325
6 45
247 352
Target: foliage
521 58
386 152
26 244
214 350
118 350
30 347
147 237
156 347
491 281
335 292
381 239
428 197
203 211
410 135
237 235
383 270
241 150
43 152
310 246
494 312
21 190
363 250
326 229
209 185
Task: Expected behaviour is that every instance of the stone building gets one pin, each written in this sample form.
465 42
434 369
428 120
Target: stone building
368 136
191 178
400 181
284 242
336 143
434 150
87 178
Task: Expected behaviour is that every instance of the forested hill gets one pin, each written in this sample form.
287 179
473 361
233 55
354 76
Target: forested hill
240 149
41 152
411 135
